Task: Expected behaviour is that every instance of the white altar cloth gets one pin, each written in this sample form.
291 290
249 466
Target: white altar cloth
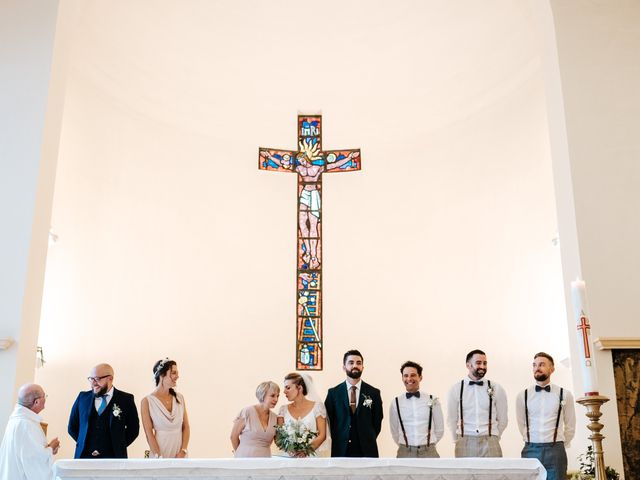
304 469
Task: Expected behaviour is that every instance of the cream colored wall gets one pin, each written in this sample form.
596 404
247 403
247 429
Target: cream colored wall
29 130
173 243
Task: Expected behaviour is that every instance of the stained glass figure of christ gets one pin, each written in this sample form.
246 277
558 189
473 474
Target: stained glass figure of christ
309 162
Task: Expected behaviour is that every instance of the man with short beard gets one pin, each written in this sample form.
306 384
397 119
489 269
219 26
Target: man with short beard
354 411
477 411
546 419
104 420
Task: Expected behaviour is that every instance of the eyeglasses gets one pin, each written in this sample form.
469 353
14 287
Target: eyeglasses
97 379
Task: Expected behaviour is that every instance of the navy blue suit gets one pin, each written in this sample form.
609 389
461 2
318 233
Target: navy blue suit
119 430
354 434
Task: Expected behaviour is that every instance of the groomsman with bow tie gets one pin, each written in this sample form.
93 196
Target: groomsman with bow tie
546 419
415 417
104 420
477 411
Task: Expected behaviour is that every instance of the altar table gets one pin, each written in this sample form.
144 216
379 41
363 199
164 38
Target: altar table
304 469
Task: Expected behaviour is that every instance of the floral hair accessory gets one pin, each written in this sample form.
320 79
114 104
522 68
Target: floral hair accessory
161 365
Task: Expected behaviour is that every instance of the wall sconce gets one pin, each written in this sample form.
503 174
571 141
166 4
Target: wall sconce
53 238
39 357
5 343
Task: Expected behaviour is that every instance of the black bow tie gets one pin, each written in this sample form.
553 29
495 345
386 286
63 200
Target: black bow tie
413 394
96 395
546 389
481 382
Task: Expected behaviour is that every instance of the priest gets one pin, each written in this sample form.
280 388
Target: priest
25 453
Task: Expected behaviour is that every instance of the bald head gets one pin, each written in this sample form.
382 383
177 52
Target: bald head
102 369
32 397
101 378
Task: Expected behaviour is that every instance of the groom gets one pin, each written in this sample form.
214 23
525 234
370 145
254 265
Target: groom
354 411
104 420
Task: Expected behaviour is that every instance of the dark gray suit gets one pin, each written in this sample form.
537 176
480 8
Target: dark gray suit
354 434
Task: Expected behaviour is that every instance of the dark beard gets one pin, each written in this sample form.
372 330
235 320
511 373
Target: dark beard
479 374
101 392
540 377
355 374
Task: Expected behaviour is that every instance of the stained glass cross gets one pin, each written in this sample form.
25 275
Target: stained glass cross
309 162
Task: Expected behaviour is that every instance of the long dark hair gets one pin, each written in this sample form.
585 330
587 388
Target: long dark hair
160 369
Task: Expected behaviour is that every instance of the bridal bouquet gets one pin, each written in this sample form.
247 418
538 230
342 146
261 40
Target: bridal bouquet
294 437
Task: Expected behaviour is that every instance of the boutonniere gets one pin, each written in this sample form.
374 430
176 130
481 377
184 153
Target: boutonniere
367 401
432 402
490 391
562 403
117 411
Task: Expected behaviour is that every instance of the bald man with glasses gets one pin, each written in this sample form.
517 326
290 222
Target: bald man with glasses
104 420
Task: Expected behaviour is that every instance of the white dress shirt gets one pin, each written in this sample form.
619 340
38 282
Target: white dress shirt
543 413
98 400
357 385
475 404
24 454
415 418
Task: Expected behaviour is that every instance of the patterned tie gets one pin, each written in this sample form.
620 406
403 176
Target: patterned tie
103 405
480 383
413 394
546 389
352 399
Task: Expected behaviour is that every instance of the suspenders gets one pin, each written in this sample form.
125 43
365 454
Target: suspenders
490 405
555 432
404 433
430 419
462 415
526 415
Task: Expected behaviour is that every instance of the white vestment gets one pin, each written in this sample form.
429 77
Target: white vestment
24 454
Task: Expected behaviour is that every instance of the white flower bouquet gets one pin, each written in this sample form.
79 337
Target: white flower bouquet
294 437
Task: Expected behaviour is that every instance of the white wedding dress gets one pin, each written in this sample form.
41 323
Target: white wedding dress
309 420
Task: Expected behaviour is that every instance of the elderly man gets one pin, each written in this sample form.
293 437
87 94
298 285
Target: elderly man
104 420
25 453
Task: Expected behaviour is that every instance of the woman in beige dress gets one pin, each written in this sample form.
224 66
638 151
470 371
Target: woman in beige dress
164 415
255 426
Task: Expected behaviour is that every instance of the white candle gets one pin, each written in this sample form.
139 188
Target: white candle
587 360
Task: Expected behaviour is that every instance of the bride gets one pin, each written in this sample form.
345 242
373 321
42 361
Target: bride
310 411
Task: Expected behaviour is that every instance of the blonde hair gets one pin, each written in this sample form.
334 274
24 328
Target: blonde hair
264 388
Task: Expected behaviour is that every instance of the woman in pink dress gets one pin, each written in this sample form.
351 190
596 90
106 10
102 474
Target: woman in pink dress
164 416
255 426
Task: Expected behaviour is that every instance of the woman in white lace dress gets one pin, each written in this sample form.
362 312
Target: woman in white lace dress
311 413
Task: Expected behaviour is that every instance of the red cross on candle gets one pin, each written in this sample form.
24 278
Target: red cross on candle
585 327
